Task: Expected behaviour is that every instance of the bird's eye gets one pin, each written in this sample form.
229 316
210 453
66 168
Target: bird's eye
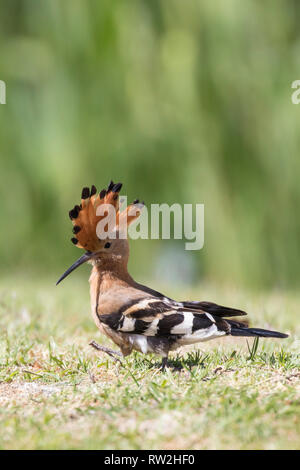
107 245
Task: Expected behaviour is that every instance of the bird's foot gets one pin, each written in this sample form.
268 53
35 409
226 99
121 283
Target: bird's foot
108 351
164 363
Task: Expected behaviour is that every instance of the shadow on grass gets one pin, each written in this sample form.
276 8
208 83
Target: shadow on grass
179 362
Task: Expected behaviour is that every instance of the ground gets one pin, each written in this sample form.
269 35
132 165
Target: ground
56 392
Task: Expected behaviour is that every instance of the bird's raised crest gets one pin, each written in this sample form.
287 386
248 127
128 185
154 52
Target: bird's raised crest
101 208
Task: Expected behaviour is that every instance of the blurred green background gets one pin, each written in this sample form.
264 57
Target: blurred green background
186 102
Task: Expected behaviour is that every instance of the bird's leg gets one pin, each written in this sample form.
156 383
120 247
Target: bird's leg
164 362
108 351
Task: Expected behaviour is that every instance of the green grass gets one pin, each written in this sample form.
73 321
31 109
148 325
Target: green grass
56 392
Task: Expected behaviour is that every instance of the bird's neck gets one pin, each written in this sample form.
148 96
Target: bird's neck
106 273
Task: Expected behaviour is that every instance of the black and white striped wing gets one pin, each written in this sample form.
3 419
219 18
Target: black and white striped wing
208 307
156 318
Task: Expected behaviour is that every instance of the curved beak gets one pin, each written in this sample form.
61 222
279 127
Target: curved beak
88 255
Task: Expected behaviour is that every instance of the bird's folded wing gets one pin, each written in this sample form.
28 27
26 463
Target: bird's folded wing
209 307
154 317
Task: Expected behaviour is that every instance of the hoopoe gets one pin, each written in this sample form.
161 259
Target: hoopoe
133 316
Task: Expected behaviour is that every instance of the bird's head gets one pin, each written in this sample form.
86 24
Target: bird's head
100 227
